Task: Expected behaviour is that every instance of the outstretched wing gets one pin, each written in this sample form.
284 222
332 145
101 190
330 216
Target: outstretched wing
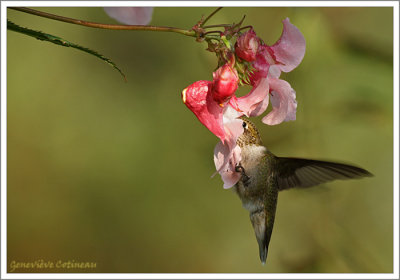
303 173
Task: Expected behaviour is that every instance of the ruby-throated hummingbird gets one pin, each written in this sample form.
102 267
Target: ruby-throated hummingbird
264 175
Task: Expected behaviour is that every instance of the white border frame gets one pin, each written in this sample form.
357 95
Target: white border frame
3 267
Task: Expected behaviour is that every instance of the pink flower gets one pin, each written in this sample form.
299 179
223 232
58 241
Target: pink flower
247 45
207 99
220 120
285 55
130 15
217 108
198 98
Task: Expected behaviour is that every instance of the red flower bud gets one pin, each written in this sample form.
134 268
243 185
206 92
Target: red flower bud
247 45
225 83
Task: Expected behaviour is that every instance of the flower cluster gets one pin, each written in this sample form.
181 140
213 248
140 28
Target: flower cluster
218 108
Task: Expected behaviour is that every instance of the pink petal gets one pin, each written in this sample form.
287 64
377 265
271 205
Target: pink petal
232 125
221 153
265 65
263 61
130 15
233 129
274 71
260 107
197 97
292 107
290 48
254 103
283 102
212 118
225 160
227 155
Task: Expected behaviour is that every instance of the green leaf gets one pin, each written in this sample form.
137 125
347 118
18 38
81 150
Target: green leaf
59 41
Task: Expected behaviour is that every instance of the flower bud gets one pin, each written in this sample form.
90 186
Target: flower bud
225 83
247 45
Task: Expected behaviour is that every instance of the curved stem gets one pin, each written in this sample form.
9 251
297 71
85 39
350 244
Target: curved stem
217 25
245 27
213 13
241 21
190 33
214 31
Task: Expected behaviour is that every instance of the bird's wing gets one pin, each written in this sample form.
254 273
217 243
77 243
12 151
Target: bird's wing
303 173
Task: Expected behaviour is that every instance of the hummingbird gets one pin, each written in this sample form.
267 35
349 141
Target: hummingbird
263 175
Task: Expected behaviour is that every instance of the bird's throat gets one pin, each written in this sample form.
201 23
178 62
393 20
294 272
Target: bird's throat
251 156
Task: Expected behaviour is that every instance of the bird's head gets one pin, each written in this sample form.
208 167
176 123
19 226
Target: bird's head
250 135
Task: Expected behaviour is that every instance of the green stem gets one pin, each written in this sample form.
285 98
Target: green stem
190 33
245 27
213 13
214 31
217 25
241 21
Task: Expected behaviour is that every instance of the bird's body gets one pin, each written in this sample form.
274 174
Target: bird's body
264 175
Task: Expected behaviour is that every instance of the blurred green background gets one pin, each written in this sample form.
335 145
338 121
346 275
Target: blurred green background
118 173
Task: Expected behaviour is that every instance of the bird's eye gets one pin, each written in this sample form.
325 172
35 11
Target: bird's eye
244 124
